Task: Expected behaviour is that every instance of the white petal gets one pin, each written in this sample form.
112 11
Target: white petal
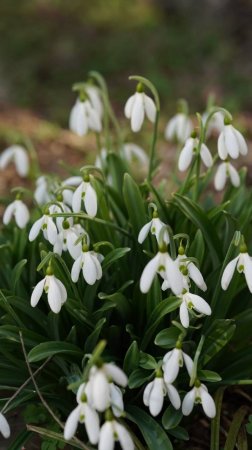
184 315
37 292
188 402
92 424
208 404
137 115
243 148
35 229
195 275
231 142
156 399
125 438
170 129
51 231
171 366
150 108
188 363
4 427
186 155
6 157
100 391
146 394
228 273
144 232
21 161
8 213
116 400
128 106
148 274
90 201
58 246
72 423
234 175
173 396
21 214
106 441
95 99
89 269
76 268
117 374
174 276
74 250
222 150
206 156
200 304
54 295
78 120
248 270
77 197
63 291
220 177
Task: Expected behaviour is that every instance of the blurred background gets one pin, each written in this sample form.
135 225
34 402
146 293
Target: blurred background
188 48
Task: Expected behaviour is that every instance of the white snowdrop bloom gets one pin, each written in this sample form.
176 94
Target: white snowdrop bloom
67 194
172 362
135 154
243 264
4 427
83 413
59 208
111 432
154 393
55 290
154 226
179 127
137 106
116 400
224 171
190 270
164 265
102 394
199 394
215 124
67 237
18 155
95 99
41 193
231 143
86 193
20 212
47 225
189 150
192 302
84 117
90 264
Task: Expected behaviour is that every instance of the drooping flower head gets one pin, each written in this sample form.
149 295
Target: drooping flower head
139 105
173 361
231 142
89 262
19 211
85 193
84 116
154 226
199 395
190 303
48 227
54 288
189 150
243 264
154 394
18 155
111 432
226 170
180 126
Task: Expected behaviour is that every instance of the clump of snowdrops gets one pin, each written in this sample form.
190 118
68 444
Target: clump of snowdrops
126 307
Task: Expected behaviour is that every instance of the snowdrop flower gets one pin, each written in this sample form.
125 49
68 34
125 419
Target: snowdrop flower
47 225
139 105
215 124
90 264
199 394
102 393
41 193
133 153
70 182
232 143
67 237
20 212
116 399
55 290
111 432
4 427
163 264
172 362
189 150
95 99
190 270
18 155
154 394
192 302
178 128
225 170
84 117
86 193
154 226
59 208
83 413
243 264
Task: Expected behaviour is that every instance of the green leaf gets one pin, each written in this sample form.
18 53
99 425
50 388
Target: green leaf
167 338
235 427
138 377
218 335
131 359
171 417
52 348
209 375
134 204
154 435
199 218
56 436
147 361
113 256
17 272
180 433
94 336
20 440
215 424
